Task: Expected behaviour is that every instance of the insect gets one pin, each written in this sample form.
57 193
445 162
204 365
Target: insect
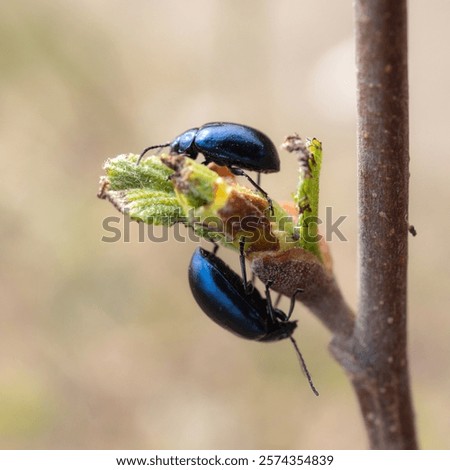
235 146
221 294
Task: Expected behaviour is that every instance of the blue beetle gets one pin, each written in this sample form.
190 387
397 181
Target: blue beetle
221 294
235 146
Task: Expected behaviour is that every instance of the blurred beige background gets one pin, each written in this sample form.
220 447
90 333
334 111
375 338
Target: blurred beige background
101 344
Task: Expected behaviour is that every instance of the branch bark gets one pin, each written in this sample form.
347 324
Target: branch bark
375 355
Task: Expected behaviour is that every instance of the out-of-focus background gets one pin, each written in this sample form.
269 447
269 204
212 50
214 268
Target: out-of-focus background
102 344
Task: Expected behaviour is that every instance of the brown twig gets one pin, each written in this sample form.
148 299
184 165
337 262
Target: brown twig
375 356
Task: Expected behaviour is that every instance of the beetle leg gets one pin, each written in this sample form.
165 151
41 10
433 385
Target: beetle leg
270 309
240 172
292 306
216 245
248 286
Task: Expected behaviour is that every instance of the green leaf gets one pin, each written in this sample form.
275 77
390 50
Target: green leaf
143 191
151 173
307 196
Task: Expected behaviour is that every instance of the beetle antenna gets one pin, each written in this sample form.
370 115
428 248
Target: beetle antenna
167 144
303 364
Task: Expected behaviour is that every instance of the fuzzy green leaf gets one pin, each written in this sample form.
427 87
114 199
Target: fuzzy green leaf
307 196
143 191
151 173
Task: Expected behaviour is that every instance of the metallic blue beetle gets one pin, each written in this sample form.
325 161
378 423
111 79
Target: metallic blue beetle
235 146
227 144
221 294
